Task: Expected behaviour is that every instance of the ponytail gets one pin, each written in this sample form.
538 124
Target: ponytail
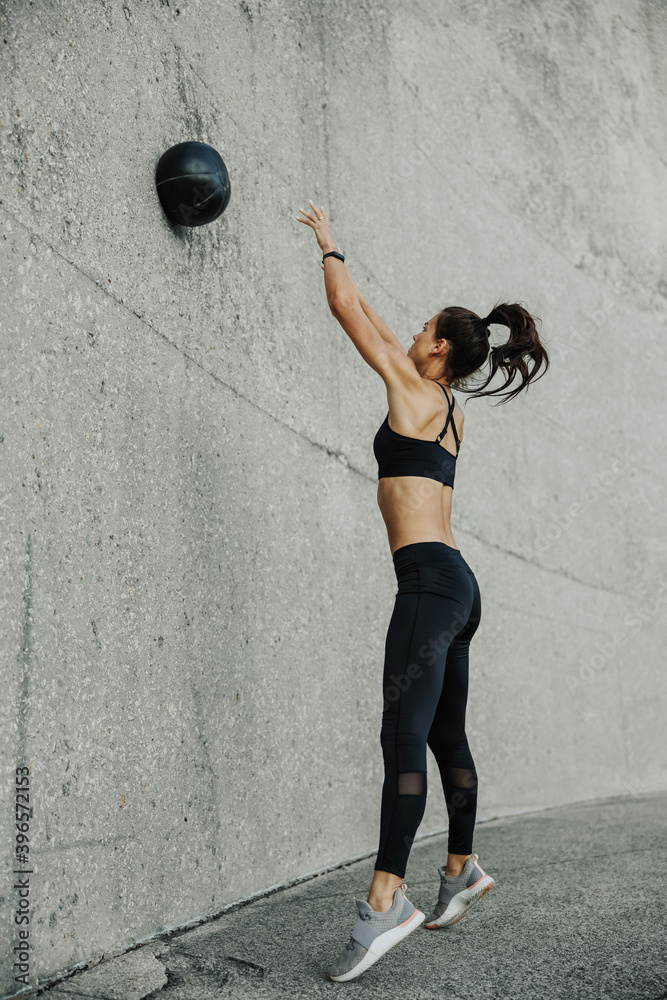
524 345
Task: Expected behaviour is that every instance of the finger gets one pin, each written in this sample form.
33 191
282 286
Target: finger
307 214
320 213
314 207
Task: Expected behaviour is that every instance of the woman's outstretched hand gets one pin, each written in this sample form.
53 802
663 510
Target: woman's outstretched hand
319 221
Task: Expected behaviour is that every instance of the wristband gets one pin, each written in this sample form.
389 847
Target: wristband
333 253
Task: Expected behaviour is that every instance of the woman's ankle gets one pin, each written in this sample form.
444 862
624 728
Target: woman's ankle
380 903
456 863
381 893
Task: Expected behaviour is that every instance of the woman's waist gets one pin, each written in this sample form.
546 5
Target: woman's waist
411 499
413 517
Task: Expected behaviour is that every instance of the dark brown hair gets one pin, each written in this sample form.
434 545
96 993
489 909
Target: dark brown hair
469 348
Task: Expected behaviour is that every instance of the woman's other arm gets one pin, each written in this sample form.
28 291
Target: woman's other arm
341 288
385 332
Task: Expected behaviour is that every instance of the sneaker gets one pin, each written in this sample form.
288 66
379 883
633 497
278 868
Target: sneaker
373 934
458 893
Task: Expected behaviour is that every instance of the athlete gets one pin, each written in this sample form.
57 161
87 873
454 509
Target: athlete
437 606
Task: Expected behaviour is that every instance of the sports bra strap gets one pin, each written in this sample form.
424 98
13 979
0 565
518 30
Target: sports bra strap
450 416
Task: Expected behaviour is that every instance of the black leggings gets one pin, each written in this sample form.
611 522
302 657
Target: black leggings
425 687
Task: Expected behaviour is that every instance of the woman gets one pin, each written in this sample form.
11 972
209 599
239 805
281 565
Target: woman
437 608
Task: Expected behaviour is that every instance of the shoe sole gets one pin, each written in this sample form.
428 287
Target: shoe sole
463 904
381 945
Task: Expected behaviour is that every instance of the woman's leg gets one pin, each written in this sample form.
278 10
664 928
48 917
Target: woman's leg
447 739
421 628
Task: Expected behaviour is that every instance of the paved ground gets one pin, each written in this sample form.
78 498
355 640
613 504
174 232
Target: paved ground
578 911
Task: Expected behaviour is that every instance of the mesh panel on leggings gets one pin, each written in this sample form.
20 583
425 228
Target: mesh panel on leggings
412 783
461 777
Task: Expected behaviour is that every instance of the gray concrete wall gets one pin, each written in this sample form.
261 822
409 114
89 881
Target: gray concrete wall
196 581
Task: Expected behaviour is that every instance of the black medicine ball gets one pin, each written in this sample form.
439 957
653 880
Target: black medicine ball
192 183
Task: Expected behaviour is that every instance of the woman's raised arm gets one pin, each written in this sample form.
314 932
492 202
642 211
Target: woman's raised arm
337 289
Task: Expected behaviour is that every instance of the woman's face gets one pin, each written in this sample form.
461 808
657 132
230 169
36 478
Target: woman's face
423 341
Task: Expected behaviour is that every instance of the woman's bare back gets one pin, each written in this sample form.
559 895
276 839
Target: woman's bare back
415 508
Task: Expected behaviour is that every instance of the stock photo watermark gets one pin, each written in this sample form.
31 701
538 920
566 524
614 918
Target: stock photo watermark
606 651
588 495
21 885
428 653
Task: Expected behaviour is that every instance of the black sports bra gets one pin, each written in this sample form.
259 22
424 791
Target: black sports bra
398 455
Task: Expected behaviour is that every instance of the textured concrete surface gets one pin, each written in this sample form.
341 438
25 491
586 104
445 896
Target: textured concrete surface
195 578
131 976
578 912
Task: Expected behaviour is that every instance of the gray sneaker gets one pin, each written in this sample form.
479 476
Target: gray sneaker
373 934
458 893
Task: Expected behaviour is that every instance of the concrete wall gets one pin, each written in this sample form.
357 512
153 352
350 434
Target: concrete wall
196 581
